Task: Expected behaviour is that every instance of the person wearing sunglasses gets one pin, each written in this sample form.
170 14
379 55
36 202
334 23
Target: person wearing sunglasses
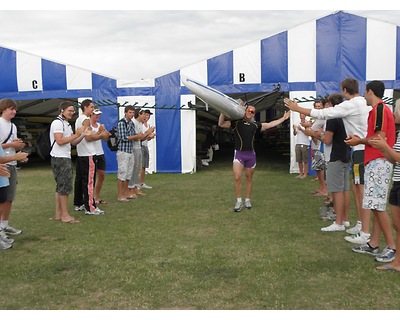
245 131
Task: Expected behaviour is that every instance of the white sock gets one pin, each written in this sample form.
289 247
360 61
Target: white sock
4 224
239 200
247 200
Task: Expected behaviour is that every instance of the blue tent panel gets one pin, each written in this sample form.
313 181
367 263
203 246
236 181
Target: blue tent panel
8 72
274 59
220 69
54 76
168 123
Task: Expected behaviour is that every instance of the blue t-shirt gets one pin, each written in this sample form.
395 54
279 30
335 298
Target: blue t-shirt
3 180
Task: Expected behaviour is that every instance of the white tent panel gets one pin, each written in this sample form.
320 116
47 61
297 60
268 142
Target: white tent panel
78 78
247 64
381 55
143 83
294 118
29 72
196 71
302 53
188 136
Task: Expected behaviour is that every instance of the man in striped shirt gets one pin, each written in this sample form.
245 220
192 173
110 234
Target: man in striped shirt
125 132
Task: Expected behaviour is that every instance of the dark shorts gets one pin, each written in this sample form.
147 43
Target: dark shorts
3 194
246 158
357 166
101 162
62 172
394 195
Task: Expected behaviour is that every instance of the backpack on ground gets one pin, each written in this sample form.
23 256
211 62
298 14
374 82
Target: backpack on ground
43 145
113 140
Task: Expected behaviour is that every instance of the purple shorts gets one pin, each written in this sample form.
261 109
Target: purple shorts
246 158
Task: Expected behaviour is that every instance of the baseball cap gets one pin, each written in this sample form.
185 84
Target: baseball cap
96 111
147 111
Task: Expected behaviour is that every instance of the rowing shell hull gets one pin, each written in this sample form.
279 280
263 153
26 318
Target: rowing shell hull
214 98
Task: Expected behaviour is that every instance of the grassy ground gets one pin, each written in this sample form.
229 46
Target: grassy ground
181 247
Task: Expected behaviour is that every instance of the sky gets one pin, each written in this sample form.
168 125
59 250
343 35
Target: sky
141 43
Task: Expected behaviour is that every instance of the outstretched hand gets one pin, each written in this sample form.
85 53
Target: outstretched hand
286 115
292 105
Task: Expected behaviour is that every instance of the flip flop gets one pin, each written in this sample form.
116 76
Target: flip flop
70 221
319 195
54 219
100 201
132 197
386 268
123 200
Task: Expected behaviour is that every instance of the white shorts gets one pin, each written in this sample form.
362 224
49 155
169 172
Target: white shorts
377 177
125 165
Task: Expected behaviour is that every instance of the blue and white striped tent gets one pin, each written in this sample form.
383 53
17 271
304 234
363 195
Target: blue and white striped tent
308 60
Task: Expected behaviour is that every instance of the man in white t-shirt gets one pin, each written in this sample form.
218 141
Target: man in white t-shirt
85 177
10 143
302 145
61 139
145 150
139 136
354 112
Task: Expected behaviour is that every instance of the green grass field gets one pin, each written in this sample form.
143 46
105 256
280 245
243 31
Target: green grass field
181 247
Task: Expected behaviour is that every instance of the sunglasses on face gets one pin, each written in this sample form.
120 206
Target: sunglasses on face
250 111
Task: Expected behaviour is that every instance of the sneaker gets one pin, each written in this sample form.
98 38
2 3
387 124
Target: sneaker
95 212
238 207
334 227
80 208
145 186
356 229
247 204
359 238
5 238
366 248
387 255
346 223
4 245
12 230
330 216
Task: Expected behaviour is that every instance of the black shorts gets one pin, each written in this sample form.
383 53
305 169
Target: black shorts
394 195
357 166
3 194
101 162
